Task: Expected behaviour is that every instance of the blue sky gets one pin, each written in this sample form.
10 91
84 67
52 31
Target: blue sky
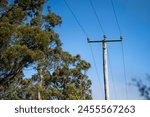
134 20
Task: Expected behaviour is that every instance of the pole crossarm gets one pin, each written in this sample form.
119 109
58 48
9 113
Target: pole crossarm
104 40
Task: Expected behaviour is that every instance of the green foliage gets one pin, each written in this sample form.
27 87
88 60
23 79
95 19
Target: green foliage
143 88
27 38
3 3
34 38
53 19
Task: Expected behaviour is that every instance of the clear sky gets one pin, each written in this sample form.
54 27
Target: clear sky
134 20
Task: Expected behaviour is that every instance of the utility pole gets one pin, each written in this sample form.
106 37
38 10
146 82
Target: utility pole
105 65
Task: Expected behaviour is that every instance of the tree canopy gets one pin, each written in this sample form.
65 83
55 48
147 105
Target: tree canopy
28 40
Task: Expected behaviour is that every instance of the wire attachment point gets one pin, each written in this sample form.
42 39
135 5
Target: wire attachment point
88 40
121 38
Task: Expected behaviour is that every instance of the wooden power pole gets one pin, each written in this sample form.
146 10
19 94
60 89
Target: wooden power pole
105 65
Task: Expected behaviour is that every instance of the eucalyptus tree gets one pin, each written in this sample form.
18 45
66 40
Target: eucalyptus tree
27 38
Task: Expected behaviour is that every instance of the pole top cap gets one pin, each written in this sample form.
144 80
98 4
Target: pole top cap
104 37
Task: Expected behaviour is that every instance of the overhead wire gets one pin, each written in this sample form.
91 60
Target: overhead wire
97 17
122 48
116 18
94 61
83 30
124 68
112 76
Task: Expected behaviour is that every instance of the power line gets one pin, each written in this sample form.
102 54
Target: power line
95 66
75 18
99 22
112 3
111 73
83 30
124 66
124 70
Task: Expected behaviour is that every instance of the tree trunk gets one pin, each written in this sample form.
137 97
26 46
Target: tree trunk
40 82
